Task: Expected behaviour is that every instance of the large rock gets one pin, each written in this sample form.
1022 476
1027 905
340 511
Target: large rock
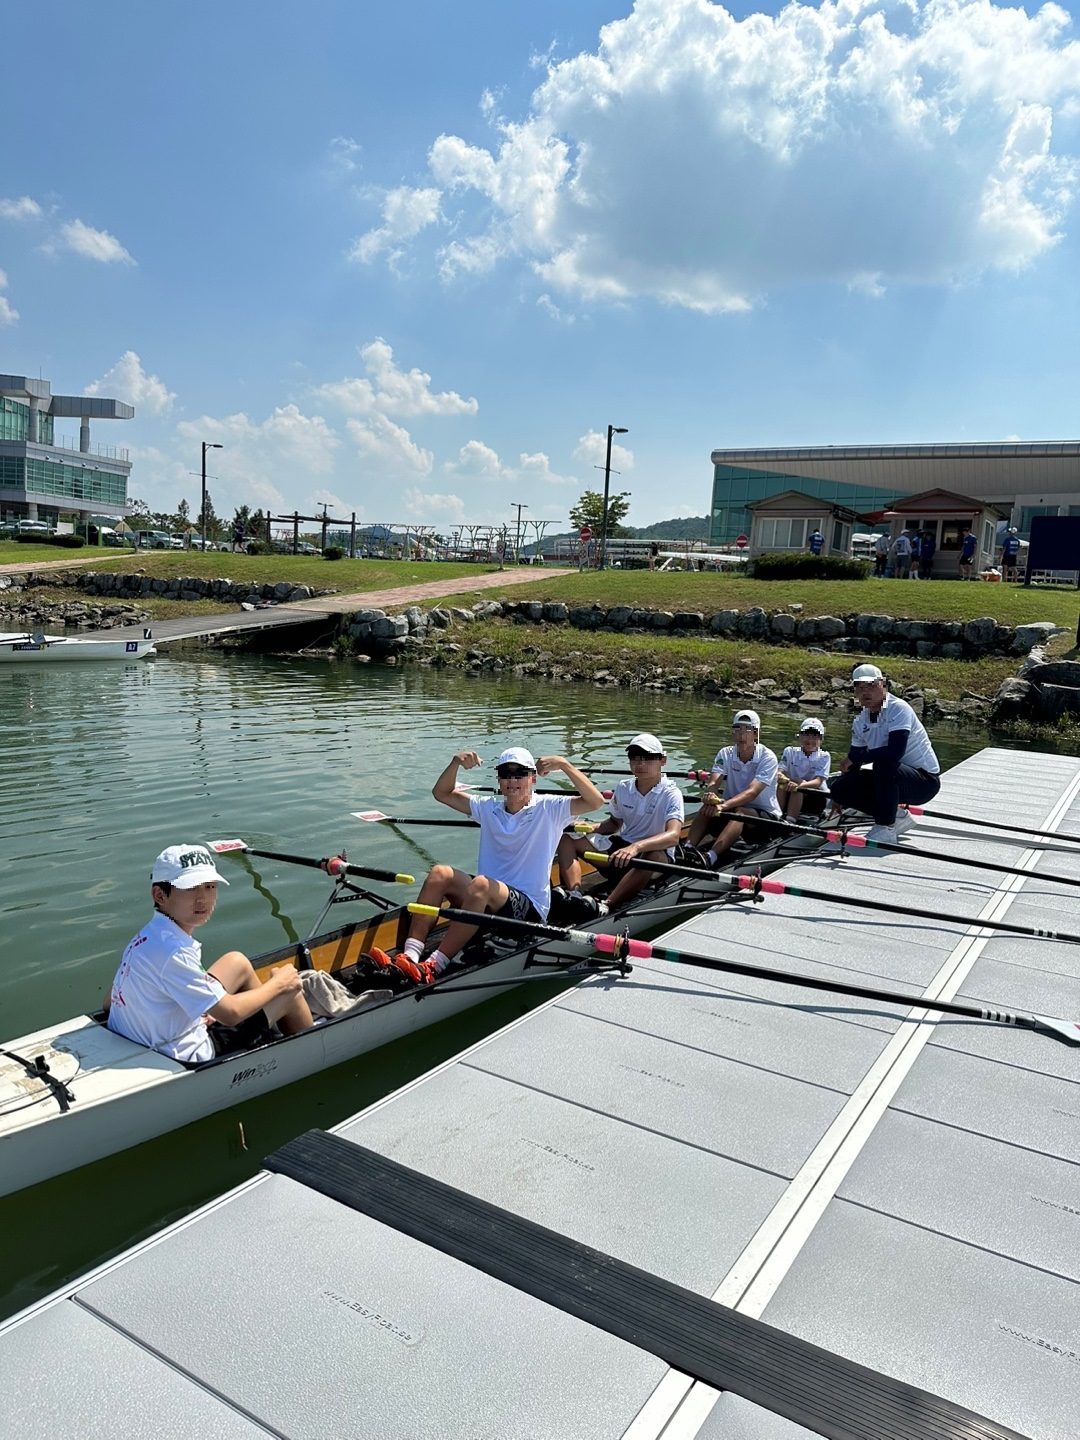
783 626
829 627
415 618
875 627
661 620
439 617
587 617
688 620
555 612
366 617
1054 672
1037 633
618 617
754 623
913 630
979 634
1055 700
487 609
465 617
390 627
724 621
533 610
808 630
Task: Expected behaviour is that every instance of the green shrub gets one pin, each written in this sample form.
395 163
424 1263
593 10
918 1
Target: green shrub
333 552
777 565
260 547
66 542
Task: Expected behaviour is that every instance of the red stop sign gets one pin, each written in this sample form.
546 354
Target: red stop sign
585 533
741 541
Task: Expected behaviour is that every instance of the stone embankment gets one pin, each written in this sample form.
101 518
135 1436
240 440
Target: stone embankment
1044 692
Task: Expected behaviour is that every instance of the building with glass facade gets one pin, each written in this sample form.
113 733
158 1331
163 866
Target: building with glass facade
1024 478
44 476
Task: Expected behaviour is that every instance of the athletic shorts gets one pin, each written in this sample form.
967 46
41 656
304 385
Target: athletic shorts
518 907
228 1039
753 833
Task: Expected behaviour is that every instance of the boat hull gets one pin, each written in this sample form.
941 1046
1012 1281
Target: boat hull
24 649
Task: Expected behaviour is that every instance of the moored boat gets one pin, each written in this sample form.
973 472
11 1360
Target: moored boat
21 647
74 1092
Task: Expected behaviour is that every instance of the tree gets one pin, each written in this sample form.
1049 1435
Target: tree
183 514
209 520
242 516
590 511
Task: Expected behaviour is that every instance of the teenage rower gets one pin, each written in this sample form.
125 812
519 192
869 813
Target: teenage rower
887 735
645 821
163 998
519 833
749 771
804 769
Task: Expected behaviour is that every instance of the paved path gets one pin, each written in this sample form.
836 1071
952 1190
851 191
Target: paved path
434 590
18 568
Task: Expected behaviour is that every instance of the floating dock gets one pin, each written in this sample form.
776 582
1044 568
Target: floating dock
669 1204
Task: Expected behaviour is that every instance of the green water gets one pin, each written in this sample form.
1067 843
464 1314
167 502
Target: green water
103 766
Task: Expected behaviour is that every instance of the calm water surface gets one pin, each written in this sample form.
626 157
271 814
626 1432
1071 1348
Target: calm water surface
103 766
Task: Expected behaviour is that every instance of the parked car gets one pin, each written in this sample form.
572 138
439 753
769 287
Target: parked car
32 527
154 540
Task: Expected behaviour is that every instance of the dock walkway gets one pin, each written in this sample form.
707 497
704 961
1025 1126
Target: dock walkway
898 1189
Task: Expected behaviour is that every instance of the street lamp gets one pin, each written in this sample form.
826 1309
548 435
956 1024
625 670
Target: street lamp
611 430
212 445
517 541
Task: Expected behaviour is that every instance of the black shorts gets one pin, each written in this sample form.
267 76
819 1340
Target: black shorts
228 1039
518 906
753 832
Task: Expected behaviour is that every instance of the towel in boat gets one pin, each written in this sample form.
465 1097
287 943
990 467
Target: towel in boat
327 998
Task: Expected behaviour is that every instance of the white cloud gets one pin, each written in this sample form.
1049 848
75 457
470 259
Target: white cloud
262 461
432 508
477 461
387 451
343 155
702 160
592 450
405 212
392 391
21 209
8 314
338 508
127 380
94 244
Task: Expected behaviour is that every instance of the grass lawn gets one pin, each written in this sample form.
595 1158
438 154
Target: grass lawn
340 575
903 599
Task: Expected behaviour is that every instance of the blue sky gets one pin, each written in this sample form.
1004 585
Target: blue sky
412 260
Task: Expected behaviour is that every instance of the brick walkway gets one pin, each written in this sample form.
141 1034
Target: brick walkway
435 590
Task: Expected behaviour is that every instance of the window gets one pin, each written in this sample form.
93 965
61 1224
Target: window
988 537
952 532
781 533
841 537
1028 513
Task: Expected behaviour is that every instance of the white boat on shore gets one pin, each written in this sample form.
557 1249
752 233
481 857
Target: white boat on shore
21 647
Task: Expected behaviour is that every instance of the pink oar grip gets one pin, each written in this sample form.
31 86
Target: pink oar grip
915 810
637 949
335 865
855 842
770 887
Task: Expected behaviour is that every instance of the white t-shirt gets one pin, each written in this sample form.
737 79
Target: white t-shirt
799 766
740 774
644 815
161 992
518 849
901 545
872 733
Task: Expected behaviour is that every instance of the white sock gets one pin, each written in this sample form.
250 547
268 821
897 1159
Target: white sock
414 949
439 961
711 856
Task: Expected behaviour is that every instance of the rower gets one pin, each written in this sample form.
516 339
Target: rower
519 833
163 998
804 770
645 821
749 771
887 734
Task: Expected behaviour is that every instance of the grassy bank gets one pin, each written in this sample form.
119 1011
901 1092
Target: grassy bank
728 663
313 570
906 599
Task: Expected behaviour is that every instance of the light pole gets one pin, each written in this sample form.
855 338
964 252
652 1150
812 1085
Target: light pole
517 540
611 430
212 445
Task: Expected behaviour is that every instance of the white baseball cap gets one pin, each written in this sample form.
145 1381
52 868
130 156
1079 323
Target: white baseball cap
516 756
747 717
185 866
812 723
865 672
649 743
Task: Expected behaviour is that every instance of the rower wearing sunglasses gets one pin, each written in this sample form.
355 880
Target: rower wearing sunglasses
645 822
519 833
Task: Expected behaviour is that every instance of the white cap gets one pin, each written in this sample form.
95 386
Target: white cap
812 723
747 717
516 756
649 743
865 672
185 866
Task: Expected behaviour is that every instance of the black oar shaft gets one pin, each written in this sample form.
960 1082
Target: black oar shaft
406 820
340 867
994 824
859 843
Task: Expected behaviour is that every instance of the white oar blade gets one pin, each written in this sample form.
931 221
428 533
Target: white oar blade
1068 1030
222 847
369 815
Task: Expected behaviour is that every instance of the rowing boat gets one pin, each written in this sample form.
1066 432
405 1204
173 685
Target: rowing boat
21 647
77 1091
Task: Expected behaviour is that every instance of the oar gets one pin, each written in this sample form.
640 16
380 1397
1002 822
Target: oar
860 842
335 865
620 947
993 824
759 886
376 817
680 775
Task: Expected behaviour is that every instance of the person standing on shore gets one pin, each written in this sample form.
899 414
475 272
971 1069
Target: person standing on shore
887 735
815 542
1010 554
519 834
900 555
749 771
968 545
881 556
926 554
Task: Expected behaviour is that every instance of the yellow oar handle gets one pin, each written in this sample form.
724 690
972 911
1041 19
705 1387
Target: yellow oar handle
405 879
594 859
583 827
415 908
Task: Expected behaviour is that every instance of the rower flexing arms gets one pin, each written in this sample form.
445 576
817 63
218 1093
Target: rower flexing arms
163 998
645 820
889 736
749 771
519 834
